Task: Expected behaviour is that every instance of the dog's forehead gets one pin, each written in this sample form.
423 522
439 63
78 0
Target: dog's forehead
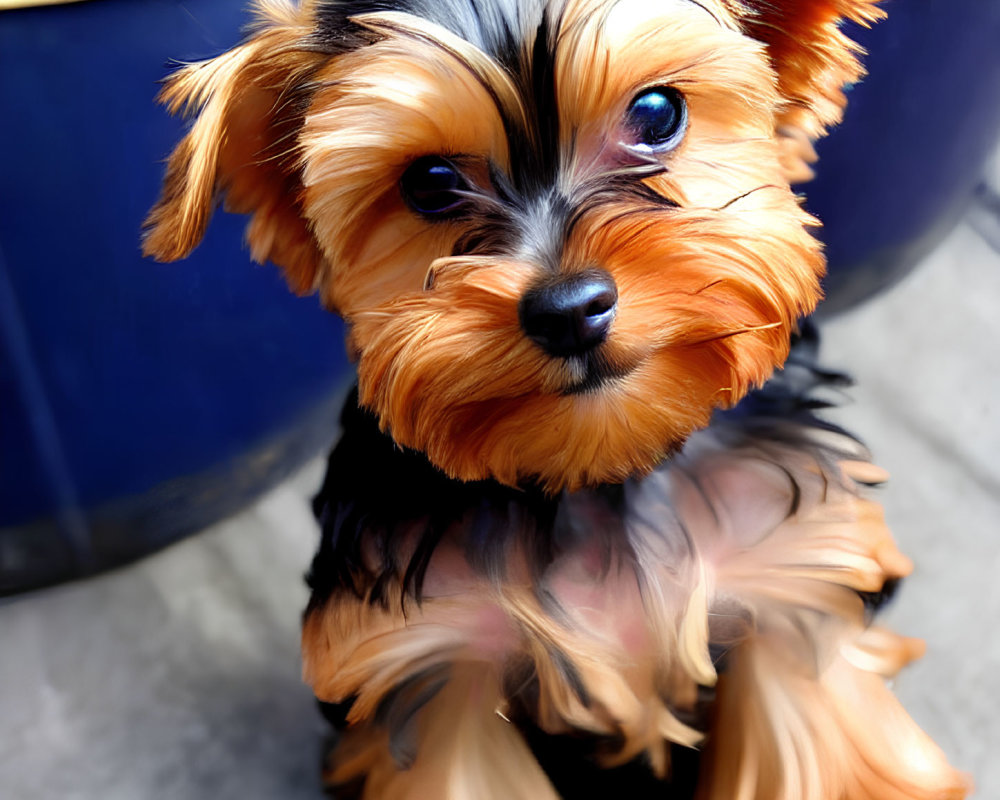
497 27
503 29
523 39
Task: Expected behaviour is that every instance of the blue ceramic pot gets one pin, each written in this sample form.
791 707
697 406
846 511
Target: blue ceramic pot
901 169
139 401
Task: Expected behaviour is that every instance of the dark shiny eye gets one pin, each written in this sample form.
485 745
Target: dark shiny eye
432 186
657 117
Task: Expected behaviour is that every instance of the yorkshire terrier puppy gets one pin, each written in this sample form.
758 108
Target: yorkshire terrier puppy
570 549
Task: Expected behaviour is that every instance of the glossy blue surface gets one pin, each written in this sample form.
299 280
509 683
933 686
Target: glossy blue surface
895 176
118 374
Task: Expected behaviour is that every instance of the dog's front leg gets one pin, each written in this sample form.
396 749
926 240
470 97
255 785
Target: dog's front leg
444 739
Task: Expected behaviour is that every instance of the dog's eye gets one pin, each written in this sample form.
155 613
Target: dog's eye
432 186
657 117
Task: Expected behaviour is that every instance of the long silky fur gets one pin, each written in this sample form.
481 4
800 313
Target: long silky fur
309 124
738 570
530 565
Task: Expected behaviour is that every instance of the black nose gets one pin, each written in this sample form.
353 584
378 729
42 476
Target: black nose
572 315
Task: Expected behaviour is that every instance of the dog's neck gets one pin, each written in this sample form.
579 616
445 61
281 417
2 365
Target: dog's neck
377 493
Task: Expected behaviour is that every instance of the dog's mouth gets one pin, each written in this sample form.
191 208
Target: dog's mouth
595 371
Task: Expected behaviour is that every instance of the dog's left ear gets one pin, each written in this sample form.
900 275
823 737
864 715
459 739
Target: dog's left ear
248 105
814 61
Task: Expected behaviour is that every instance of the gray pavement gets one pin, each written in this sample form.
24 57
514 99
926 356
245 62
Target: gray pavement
178 677
927 363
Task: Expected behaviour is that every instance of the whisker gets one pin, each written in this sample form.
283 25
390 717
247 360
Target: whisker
743 196
708 286
739 331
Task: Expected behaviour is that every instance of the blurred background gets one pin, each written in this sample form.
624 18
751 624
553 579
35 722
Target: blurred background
142 403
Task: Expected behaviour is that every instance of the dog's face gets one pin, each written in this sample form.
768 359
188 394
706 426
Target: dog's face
561 233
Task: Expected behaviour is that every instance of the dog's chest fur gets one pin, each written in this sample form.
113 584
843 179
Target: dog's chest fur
592 627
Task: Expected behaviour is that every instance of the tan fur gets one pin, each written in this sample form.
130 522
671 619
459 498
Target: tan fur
813 59
702 317
720 552
786 732
699 323
241 146
381 107
803 710
467 750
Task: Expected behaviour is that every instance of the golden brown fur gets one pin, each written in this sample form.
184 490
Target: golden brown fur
313 147
750 548
803 711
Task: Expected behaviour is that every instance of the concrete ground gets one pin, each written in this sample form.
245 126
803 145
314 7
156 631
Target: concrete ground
178 677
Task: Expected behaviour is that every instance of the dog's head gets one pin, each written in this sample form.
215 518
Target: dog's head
560 231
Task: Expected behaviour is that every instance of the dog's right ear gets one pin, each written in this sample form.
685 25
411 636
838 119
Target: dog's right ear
813 60
249 104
